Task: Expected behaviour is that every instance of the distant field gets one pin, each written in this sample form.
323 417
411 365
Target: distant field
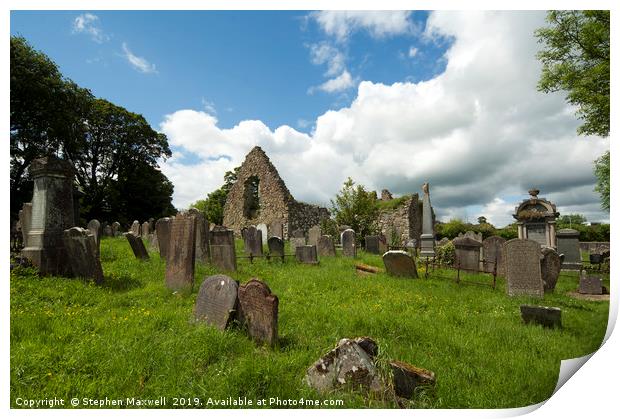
133 338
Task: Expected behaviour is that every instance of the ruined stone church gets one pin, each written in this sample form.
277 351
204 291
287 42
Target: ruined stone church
260 196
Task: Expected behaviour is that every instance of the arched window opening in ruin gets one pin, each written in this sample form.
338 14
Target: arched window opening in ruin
251 197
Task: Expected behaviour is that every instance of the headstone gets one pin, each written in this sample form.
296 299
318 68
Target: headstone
492 251
326 246
52 214
107 231
545 316
116 228
407 377
296 242
83 254
306 254
349 247
372 244
216 303
276 246
399 263
568 245
276 229
137 245
162 229
25 219
223 254
427 239
253 242
264 233
258 311
383 244
522 264
298 233
467 251
181 253
348 364
202 235
471 235
243 231
145 229
135 228
589 284
95 228
313 235
550 266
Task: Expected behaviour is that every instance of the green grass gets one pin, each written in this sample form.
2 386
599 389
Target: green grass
133 338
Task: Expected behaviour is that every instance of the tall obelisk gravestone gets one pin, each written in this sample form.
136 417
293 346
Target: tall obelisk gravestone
427 239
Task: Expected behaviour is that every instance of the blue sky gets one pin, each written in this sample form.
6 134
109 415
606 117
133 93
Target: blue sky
392 99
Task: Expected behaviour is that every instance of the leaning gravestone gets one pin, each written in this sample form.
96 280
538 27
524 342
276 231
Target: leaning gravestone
202 235
306 254
550 266
399 263
276 229
116 228
94 226
349 247
145 230
253 242
25 219
372 244
162 229
467 251
258 311
590 284
493 251
182 253
276 246
216 303
326 246
522 264
223 255
135 228
83 254
313 235
263 229
137 245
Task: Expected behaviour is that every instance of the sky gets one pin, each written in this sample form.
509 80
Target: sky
391 99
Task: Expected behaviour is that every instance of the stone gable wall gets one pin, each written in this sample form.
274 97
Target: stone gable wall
406 219
304 216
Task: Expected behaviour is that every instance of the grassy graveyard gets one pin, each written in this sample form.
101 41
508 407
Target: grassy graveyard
132 337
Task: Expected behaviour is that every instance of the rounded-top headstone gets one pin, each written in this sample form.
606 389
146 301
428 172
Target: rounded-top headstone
217 301
399 263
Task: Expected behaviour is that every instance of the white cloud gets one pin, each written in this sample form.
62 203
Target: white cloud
208 106
343 82
341 24
138 63
480 133
413 51
324 53
88 23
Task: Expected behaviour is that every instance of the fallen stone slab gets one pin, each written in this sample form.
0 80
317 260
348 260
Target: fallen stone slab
545 316
407 377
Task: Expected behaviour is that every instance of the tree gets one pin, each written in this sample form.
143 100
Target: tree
575 58
571 220
482 219
601 170
213 206
356 207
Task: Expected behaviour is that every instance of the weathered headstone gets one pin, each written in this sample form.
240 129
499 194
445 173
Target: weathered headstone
427 239
181 253
202 235
116 228
216 303
372 244
326 246
52 214
107 231
407 377
306 254
276 246
258 311
223 254
25 219
471 235
296 242
83 254
276 229
298 233
135 228
522 264
467 252
589 284
253 242
568 245
493 251
399 263
349 247
95 228
545 316
550 266
383 244
162 229
313 235
264 233
137 245
145 229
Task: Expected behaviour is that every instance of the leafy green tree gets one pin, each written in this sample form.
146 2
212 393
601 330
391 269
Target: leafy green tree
357 208
571 221
575 59
601 170
213 205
